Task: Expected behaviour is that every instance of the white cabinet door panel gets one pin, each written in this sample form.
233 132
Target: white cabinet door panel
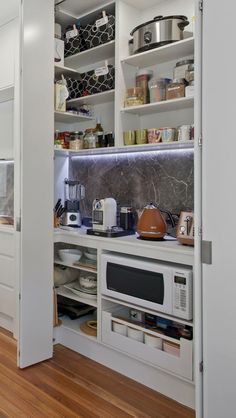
7 243
7 53
36 236
7 276
6 123
219 202
7 301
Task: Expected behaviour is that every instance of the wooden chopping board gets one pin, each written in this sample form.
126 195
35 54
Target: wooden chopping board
89 328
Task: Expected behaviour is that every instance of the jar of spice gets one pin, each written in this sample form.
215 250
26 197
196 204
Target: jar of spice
76 141
142 79
90 138
157 88
176 89
134 96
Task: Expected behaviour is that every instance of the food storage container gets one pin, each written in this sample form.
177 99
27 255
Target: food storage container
135 334
157 89
154 135
119 328
76 141
168 134
141 136
189 90
129 137
176 89
184 133
142 79
90 139
171 348
182 67
134 96
153 341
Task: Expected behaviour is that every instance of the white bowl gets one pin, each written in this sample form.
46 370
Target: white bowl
91 256
91 250
70 255
88 282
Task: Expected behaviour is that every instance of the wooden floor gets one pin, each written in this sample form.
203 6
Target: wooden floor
70 385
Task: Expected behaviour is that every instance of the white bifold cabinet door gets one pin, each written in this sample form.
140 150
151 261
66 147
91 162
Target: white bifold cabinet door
219 203
36 124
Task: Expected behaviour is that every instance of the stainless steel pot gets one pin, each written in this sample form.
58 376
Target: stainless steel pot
159 31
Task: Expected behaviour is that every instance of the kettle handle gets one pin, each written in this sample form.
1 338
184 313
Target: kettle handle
169 216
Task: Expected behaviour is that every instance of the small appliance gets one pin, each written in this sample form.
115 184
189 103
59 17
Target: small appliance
104 215
157 32
185 228
151 224
74 193
158 286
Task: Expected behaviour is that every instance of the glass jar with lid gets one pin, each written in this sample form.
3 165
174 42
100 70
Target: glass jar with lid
134 96
90 138
76 141
176 89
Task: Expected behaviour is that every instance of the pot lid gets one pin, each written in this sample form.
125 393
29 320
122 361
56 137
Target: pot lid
158 18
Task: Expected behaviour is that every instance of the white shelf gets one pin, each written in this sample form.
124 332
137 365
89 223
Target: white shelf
74 325
94 99
62 291
128 148
66 71
164 106
56 261
170 52
69 117
91 56
6 93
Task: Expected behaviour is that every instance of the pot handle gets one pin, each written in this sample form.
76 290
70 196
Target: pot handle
182 25
158 18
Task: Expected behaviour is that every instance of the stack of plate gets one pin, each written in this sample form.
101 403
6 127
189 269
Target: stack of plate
81 291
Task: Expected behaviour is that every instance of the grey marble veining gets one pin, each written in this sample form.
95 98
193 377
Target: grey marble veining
7 198
165 178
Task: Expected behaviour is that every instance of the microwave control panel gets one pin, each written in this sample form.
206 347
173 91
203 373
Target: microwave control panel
182 295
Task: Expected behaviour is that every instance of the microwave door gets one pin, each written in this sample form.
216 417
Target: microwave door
136 285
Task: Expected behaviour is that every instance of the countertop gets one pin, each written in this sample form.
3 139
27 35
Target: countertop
168 250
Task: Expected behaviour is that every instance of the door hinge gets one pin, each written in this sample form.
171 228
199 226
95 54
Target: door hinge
200 4
19 296
201 367
200 140
18 224
206 252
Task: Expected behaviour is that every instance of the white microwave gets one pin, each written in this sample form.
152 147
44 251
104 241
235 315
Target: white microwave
158 286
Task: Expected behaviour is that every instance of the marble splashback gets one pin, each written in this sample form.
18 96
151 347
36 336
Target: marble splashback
136 179
6 189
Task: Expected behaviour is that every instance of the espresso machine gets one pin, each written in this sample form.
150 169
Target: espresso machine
74 192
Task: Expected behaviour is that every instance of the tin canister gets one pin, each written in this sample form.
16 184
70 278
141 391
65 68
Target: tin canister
184 133
154 135
168 134
141 136
129 137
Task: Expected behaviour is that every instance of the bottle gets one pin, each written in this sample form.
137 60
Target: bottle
99 133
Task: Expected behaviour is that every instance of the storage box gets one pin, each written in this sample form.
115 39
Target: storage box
76 44
59 51
91 35
92 82
60 96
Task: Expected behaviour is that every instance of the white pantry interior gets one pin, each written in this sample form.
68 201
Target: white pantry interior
26 249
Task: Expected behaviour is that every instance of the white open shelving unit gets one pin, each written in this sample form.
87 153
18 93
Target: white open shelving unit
70 117
91 56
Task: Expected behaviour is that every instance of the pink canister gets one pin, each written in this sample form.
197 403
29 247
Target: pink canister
154 135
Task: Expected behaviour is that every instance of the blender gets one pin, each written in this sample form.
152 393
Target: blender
74 192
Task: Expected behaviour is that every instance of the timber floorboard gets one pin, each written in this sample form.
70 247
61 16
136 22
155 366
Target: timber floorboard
71 385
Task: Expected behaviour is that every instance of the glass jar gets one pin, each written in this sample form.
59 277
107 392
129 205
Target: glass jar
157 89
182 67
142 79
76 141
90 139
134 96
176 89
